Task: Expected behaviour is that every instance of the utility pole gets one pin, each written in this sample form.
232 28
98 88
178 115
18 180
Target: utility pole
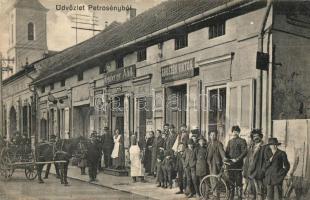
82 22
3 68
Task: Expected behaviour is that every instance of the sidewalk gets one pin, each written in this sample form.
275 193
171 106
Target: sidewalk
125 184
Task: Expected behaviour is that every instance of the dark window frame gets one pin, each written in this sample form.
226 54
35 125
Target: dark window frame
217 29
141 55
30 31
119 62
181 41
80 76
52 86
43 89
63 83
102 69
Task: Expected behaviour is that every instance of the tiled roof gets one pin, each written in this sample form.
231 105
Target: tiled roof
157 18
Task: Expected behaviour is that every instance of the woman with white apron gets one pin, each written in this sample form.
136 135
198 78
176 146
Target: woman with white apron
136 166
117 155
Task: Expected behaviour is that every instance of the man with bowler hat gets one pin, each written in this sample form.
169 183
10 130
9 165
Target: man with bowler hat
277 167
93 155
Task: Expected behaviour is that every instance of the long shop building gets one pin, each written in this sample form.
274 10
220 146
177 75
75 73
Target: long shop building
196 67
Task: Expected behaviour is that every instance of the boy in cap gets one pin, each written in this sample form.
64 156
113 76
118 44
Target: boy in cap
167 167
277 167
179 168
201 163
236 150
159 168
93 155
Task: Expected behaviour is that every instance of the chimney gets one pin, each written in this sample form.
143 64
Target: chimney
131 13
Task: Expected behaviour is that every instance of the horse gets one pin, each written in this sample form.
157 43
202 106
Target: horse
62 150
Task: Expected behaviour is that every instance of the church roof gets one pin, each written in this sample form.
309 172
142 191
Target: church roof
33 4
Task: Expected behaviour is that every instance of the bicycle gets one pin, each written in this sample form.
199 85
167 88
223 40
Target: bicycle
217 186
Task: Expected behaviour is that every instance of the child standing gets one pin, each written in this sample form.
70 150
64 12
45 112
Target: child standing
168 168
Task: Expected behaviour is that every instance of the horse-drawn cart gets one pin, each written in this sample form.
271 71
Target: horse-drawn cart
14 157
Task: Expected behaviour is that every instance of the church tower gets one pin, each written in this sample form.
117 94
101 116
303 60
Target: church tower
27 28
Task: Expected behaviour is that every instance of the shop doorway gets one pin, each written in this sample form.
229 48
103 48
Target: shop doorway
118 114
176 105
145 114
81 121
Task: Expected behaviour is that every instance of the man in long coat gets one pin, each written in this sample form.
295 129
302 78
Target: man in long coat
236 151
107 147
93 155
148 153
254 166
215 157
277 167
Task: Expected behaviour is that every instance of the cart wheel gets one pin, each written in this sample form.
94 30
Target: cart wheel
31 172
213 187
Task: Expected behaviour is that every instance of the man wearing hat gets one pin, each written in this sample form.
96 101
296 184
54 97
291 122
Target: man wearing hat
254 163
93 155
53 140
171 137
166 129
236 150
179 168
277 167
107 147
190 159
201 164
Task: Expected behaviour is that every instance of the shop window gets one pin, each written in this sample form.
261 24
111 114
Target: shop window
217 30
141 55
119 63
80 76
181 41
216 110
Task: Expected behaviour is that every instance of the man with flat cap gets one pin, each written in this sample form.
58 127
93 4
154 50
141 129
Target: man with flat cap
277 167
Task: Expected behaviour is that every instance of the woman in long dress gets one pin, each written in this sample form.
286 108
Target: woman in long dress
118 154
135 155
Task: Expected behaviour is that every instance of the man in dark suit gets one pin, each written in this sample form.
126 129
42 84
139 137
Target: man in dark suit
277 166
107 147
53 140
189 157
236 150
254 165
171 138
93 155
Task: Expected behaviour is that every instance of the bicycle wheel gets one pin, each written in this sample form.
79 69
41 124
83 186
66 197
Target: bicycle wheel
213 187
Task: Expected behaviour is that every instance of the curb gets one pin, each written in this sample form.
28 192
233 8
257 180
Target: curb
106 186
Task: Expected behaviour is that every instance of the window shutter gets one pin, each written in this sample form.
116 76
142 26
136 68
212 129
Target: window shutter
240 105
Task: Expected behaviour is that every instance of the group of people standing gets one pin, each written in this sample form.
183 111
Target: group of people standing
188 157
105 150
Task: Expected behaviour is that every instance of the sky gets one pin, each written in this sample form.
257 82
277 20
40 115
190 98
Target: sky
60 35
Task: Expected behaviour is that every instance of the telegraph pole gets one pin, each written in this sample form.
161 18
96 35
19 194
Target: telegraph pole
86 21
3 68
